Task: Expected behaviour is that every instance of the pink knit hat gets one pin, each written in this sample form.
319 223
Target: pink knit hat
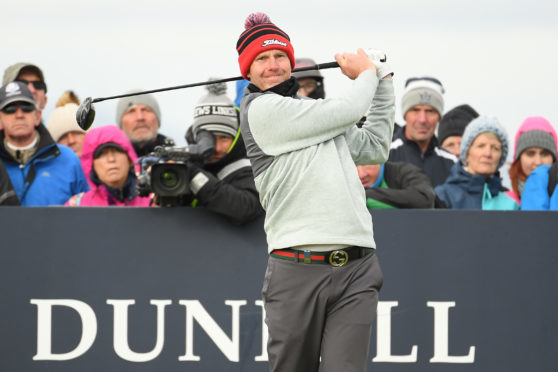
535 131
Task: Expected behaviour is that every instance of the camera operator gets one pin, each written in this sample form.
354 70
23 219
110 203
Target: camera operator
224 183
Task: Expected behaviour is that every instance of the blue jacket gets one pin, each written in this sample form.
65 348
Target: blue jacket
463 190
50 177
535 196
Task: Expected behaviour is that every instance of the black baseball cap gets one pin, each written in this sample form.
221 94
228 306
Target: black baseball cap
103 146
15 91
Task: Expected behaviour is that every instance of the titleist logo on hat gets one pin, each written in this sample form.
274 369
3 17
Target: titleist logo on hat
215 110
273 42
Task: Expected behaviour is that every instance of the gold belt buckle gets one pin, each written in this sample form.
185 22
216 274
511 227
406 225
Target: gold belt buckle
338 258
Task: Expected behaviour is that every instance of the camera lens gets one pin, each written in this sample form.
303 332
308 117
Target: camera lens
169 178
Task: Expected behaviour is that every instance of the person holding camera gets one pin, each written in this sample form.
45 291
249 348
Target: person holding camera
223 183
108 162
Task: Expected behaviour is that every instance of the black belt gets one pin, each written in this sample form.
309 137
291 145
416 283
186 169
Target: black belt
338 257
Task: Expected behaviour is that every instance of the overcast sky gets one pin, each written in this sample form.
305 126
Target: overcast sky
498 56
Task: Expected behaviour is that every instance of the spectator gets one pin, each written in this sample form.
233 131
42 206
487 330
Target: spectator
67 97
32 76
41 172
535 144
224 183
311 82
140 119
452 125
64 129
474 181
240 90
8 195
396 185
422 106
108 160
540 192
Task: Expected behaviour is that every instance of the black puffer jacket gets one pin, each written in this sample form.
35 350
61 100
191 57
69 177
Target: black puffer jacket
230 189
407 187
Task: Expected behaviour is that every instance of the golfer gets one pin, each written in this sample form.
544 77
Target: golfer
322 280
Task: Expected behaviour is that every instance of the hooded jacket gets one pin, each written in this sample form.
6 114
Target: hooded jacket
435 161
50 177
100 194
463 190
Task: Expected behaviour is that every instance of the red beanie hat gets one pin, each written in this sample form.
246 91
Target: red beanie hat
261 35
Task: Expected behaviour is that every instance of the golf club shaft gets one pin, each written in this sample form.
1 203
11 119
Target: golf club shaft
320 66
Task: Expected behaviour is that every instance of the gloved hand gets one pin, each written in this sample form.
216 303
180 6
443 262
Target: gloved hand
379 59
197 177
193 168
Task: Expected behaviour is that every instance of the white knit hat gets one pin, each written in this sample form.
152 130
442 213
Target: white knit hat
423 91
63 120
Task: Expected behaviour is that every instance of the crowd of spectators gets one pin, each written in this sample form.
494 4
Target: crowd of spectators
438 159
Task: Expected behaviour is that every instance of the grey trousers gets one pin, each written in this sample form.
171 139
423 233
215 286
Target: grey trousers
315 310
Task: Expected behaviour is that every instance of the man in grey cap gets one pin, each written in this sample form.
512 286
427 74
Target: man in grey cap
140 119
311 82
41 172
422 106
31 75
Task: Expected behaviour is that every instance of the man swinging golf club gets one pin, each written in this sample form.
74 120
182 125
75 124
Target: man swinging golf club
322 280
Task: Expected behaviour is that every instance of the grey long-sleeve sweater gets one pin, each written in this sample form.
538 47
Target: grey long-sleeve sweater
303 155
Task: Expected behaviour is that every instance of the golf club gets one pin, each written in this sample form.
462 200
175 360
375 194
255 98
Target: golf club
86 112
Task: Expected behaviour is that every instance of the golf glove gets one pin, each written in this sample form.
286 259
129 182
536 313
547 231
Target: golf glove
379 59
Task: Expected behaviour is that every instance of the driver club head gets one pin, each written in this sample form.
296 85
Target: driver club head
85 114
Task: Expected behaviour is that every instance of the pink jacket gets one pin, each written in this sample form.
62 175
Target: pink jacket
99 195
531 123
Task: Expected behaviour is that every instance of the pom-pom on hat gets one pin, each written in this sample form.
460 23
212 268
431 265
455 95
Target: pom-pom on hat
480 125
215 112
535 131
261 35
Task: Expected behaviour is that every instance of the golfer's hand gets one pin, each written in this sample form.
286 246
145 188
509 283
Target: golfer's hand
353 64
